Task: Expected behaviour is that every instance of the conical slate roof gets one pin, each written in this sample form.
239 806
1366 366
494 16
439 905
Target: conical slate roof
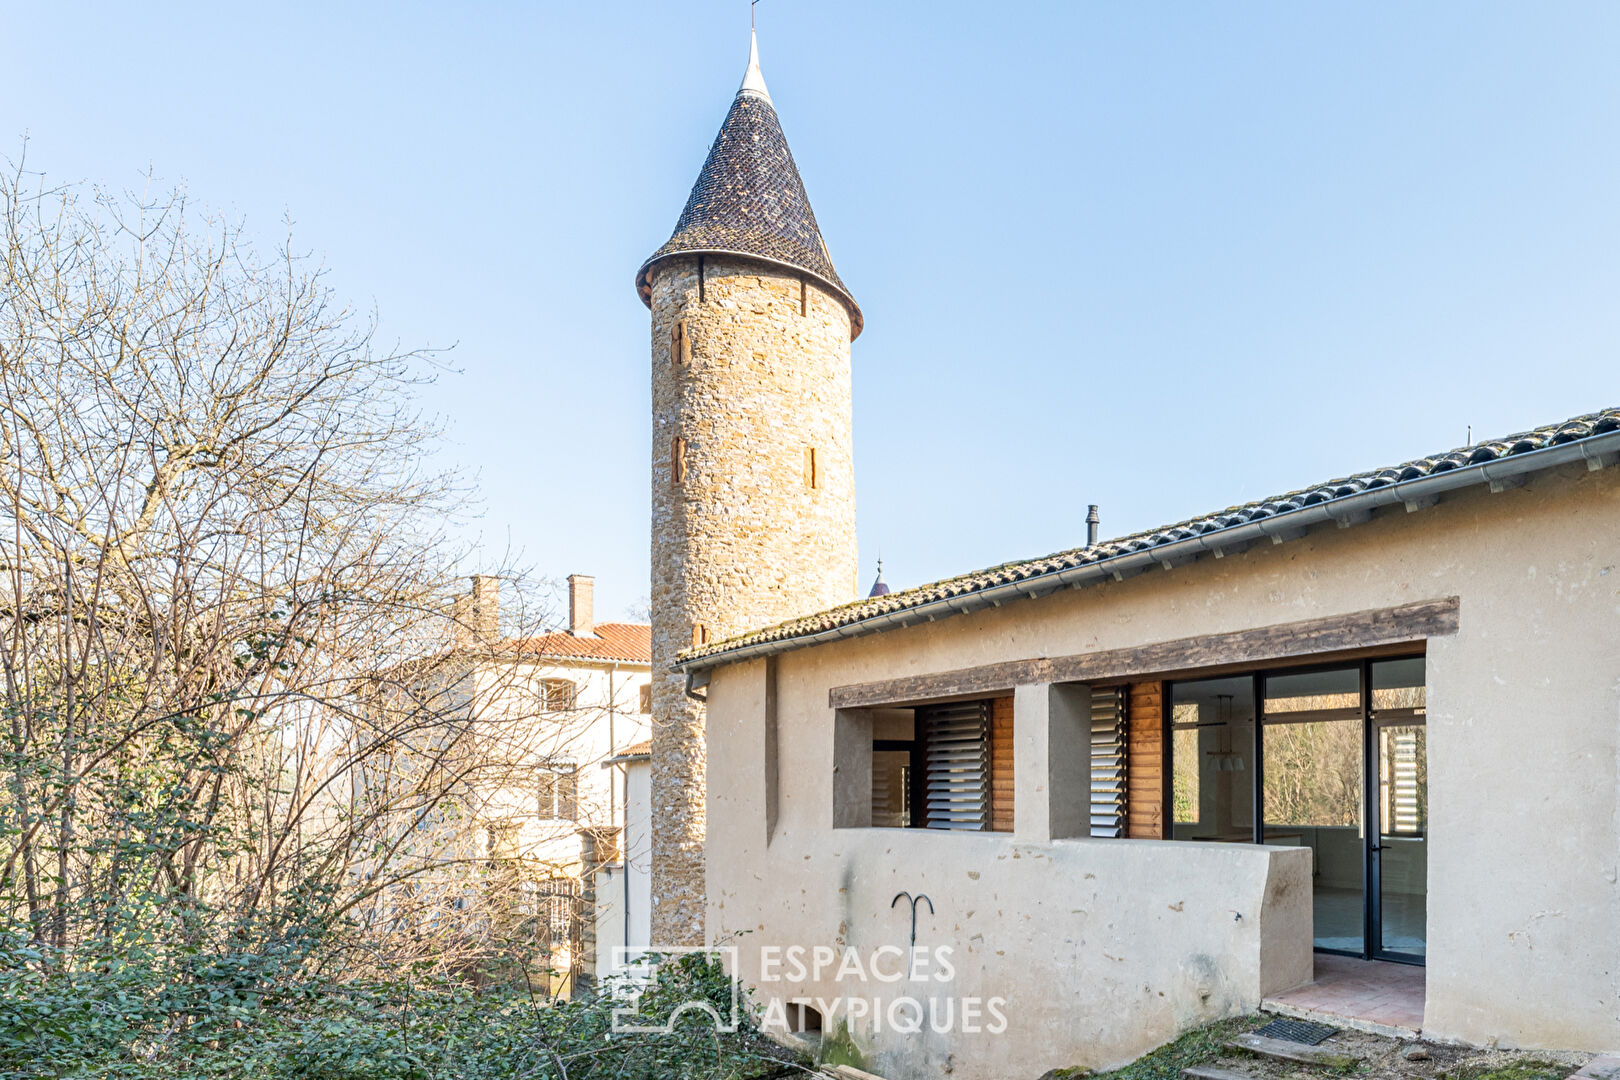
749 200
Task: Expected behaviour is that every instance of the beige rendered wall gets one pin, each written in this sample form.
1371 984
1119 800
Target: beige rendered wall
742 541
1524 749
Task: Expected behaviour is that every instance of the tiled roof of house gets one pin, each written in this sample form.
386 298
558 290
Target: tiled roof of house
749 200
627 642
1273 515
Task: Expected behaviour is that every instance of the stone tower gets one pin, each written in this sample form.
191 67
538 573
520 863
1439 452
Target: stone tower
753 493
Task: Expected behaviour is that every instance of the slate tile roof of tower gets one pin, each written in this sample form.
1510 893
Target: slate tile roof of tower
1594 437
749 200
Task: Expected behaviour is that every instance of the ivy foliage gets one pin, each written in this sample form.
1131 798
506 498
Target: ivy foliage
248 1017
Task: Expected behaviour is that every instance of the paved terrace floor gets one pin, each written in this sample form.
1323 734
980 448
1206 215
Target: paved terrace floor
1368 995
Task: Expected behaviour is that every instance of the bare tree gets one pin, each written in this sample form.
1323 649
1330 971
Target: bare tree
234 697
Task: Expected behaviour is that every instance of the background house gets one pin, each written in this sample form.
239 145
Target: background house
522 725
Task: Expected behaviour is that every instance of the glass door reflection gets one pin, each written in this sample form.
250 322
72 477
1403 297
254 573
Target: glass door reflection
1312 747
1400 857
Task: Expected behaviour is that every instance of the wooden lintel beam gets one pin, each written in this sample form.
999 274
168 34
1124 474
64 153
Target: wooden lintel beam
1373 629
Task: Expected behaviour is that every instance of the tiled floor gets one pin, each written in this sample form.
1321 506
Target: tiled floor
1369 991
1339 914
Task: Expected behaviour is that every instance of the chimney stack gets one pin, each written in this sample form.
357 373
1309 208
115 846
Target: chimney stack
1092 521
581 605
484 611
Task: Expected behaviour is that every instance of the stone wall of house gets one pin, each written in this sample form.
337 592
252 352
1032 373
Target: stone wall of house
753 507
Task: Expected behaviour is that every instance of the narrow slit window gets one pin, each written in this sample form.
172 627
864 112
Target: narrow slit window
677 461
812 469
700 636
680 344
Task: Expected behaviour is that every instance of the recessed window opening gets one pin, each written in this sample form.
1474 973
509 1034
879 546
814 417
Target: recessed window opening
804 1018
677 461
680 344
945 766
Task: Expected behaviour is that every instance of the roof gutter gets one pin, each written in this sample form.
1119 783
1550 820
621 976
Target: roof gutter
1420 493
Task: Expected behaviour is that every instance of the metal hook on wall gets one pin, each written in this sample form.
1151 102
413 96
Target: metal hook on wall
913 901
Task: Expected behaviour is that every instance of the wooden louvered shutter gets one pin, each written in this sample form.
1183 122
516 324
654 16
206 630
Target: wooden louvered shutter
956 758
1108 762
568 795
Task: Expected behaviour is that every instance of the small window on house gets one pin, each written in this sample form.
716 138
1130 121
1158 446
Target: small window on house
502 838
812 469
559 792
646 697
558 695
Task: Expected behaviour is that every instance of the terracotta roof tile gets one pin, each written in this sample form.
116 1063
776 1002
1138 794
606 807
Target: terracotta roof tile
628 642
850 616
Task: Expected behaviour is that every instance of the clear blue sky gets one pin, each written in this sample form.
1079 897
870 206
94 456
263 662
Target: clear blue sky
1161 257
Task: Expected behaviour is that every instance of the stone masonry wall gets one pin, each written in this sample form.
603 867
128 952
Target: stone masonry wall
742 541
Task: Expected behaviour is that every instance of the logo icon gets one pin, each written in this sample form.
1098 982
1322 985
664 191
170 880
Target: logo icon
636 977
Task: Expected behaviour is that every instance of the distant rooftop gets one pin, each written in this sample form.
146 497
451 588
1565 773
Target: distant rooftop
630 643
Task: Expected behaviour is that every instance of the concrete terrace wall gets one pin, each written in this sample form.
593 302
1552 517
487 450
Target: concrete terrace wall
742 540
1524 770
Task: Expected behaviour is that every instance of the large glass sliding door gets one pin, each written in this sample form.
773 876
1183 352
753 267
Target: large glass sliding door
1332 759
1312 795
1400 858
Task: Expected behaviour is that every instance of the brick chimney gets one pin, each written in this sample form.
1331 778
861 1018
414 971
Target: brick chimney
581 605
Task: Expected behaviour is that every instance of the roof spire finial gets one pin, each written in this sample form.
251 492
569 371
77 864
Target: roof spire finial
753 79
879 587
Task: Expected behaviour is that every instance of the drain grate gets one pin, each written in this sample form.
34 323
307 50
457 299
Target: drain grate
1297 1031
